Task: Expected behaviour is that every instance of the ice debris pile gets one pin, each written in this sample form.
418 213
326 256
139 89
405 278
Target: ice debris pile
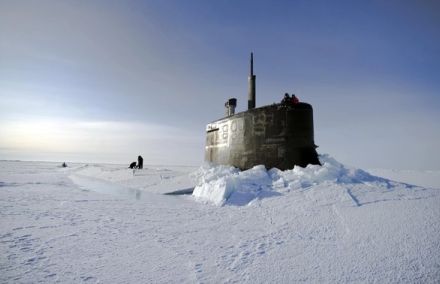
221 184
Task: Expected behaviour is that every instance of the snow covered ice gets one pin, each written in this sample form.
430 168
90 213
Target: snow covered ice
223 184
101 223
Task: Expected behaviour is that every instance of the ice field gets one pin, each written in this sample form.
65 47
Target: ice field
100 223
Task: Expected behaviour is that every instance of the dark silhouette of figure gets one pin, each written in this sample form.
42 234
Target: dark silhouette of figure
294 100
64 165
140 162
132 165
286 99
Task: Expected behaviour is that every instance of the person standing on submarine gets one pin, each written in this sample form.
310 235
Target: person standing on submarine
140 162
286 100
294 100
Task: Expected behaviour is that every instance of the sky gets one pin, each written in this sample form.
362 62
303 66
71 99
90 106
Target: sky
105 81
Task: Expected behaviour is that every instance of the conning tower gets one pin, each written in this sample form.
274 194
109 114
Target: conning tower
277 135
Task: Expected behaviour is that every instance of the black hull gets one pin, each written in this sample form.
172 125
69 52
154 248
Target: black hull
275 136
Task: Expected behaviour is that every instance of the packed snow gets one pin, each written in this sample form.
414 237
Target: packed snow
106 223
223 184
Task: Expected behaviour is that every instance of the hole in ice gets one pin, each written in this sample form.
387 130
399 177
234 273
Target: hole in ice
186 191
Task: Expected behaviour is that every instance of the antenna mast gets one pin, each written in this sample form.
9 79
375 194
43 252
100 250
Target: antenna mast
252 77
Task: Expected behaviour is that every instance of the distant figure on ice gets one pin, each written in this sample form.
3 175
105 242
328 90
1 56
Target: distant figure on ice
140 162
64 165
132 165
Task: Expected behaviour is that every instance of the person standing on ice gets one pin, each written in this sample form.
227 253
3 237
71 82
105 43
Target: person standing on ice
140 162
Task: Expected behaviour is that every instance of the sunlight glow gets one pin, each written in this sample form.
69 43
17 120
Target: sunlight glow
93 138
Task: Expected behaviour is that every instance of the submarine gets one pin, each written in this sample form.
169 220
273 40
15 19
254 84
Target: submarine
277 136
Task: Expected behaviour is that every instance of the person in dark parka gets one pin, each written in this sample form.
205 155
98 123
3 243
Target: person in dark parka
286 100
140 162
132 165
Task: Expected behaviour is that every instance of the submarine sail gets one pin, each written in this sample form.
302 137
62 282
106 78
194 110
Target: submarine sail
278 135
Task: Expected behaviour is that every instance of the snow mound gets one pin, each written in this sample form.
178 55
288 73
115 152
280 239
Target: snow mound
330 171
224 184
217 184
